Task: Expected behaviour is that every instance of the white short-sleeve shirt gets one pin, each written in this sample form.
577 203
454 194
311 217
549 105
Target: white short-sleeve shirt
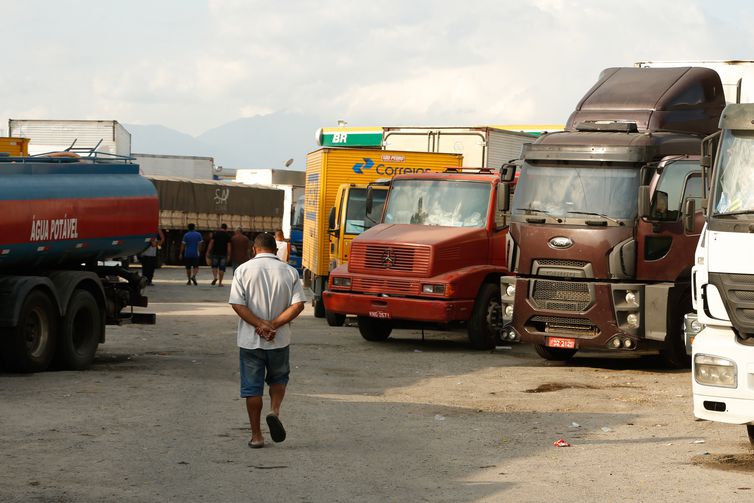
267 287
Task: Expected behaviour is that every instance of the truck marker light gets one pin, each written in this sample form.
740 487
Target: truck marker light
715 371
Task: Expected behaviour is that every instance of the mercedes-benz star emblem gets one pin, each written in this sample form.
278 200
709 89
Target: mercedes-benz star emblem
387 259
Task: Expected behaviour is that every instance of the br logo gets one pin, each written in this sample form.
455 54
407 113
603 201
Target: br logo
367 164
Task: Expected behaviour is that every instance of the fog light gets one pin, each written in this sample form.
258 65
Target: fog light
632 320
631 298
715 371
615 343
341 281
510 290
436 289
628 343
508 312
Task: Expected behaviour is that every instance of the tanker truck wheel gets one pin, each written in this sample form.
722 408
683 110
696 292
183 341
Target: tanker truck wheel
335 319
554 354
374 329
30 346
80 333
486 319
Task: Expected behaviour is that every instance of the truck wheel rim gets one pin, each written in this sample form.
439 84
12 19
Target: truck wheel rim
36 332
495 315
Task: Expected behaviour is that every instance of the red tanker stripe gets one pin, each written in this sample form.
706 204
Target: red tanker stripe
95 218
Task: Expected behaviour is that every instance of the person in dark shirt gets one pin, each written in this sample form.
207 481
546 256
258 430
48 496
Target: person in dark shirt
219 254
240 248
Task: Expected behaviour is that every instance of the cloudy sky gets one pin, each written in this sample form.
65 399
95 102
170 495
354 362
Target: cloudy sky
194 65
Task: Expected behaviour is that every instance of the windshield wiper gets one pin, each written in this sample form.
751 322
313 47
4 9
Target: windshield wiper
591 213
734 213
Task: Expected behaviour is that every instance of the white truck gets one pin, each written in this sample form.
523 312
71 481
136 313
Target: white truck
481 147
290 181
180 166
721 331
106 136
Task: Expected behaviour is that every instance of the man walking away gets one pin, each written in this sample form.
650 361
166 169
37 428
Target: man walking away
219 253
267 295
282 246
240 248
190 252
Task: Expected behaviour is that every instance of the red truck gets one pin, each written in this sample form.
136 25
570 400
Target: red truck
435 260
607 214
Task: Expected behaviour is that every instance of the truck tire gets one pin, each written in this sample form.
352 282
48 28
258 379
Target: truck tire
750 433
483 326
319 308
673 350
373 329
335 319
80 332
554 354
30 346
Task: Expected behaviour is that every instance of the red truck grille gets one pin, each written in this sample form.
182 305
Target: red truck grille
368 257
384 285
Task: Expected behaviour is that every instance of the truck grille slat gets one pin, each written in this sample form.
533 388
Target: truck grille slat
738 292
382 285
366 258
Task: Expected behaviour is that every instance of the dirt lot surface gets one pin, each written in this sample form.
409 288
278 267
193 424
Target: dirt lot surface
158 418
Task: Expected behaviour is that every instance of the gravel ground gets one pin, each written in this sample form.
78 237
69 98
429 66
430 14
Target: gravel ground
158 418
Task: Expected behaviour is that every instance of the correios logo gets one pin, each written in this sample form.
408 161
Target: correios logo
385 169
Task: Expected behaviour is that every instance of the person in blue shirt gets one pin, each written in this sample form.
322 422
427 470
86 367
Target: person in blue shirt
191 251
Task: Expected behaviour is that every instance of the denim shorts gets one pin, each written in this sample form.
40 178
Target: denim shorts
255 363
219 262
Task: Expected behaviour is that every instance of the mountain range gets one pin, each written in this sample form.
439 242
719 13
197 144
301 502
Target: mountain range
263 141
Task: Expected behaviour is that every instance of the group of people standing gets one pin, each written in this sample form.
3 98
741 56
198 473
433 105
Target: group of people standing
223 249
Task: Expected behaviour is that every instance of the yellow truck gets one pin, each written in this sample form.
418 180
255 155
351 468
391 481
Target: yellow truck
336 181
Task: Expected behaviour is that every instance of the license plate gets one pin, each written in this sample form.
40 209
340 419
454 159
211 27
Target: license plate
379 314
560 342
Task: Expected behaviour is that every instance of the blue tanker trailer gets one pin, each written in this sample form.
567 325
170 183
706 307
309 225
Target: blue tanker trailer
62 217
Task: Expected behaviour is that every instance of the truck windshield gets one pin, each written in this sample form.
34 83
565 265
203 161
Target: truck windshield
734 174
577 190
357 221
438 202
298 214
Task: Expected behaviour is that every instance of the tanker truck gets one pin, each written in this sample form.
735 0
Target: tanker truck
63 218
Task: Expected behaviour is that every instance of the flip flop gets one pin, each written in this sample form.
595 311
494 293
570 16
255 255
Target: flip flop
277 432
256 445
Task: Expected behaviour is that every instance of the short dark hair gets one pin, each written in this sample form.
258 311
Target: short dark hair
265 241
191 227
223 226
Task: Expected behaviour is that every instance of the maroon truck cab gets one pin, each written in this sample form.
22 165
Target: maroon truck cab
607 215
435 260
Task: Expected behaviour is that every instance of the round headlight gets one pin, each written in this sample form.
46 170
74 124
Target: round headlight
509 311
631 297
510 290
632 320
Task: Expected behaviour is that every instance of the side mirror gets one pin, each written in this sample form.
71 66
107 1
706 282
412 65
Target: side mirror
689 214
331 220
503 197
508 171
369 200
644 204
